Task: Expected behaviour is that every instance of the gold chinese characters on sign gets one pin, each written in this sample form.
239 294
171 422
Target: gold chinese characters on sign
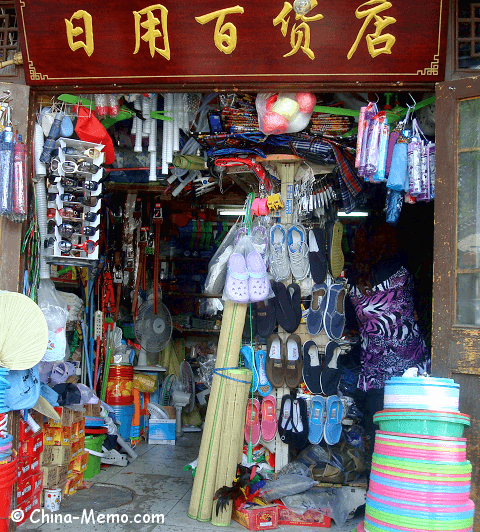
75 31
300 32
152 33
154 20
371 14
225 36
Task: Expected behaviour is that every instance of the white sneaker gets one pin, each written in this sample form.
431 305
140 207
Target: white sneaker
279 263
298 251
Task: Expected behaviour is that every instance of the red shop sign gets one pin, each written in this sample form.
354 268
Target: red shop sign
90 42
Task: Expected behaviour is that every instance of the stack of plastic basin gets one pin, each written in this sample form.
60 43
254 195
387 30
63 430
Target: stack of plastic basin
420 478
4 386
8 477
123 418
421 393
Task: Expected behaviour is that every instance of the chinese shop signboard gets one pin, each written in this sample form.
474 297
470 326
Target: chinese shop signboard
89 42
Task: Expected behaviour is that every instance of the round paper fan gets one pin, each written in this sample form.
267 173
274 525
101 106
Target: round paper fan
23 332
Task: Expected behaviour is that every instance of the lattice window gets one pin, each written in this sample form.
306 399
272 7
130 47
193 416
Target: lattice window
468 34
9 44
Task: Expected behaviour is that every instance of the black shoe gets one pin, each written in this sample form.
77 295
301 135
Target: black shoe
295 294
286 316
317 255
266 319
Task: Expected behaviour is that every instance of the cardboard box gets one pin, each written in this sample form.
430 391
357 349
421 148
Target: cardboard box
34 464
311 518
78 447
46 456
66 417
66 436
61 455
93 410
161 431
81 462
23 468
70 486
257 517
52 435
37 446
54 475
78 430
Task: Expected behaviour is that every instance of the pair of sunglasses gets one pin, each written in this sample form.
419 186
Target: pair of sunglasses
73 167
68 182
73 214
66 246
68 229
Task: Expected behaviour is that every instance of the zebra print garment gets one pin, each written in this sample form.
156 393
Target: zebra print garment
391 341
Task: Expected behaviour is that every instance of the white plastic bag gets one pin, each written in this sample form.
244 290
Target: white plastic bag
55 311
280 113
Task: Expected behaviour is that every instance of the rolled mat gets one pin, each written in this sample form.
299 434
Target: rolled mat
232 426
229 342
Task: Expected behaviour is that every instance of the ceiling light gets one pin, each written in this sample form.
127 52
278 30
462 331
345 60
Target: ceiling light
353 214
232 212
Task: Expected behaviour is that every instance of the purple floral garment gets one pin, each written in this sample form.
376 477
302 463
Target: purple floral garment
391 341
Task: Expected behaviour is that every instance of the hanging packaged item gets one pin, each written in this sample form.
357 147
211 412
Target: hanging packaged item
393 206
284 112
6 171
414 158
398 175
366 114
20 205
372 153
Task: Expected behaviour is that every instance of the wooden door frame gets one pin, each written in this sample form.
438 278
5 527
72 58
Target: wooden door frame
447 337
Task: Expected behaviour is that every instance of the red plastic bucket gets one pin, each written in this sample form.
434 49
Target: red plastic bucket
119 385
6 488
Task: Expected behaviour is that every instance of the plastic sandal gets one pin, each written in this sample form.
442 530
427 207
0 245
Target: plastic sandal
258 284
269 419
264 386
249 363
252 426
236 284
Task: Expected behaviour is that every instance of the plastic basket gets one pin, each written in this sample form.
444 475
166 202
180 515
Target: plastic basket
94 443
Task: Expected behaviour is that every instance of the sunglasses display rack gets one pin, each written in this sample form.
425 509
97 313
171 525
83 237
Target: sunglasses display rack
77 170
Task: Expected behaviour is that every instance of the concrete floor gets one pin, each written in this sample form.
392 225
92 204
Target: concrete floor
159 486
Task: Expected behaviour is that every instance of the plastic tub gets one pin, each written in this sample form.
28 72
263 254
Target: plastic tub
425 424
454 468
124 417
94 443
422 393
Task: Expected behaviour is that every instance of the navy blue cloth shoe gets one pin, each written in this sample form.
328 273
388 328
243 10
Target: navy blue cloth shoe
334 316
317 309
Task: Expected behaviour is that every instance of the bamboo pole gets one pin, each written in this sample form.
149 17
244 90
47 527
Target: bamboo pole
229 343
233 422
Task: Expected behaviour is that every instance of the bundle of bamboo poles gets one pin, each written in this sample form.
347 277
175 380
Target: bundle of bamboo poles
209 468
231 435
